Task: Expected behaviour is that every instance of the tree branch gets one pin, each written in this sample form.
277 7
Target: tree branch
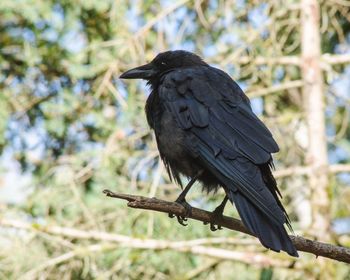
275 88
302 244
194 246
326 59
305 170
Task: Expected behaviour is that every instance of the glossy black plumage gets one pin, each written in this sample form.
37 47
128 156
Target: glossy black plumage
203 121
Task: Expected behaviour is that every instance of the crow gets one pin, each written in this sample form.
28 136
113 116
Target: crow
206 130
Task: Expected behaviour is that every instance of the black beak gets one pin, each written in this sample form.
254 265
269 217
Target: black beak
142 72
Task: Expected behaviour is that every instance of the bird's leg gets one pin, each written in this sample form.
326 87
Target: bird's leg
216 214
182 200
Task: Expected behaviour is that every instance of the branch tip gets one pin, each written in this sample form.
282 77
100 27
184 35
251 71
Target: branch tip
127 197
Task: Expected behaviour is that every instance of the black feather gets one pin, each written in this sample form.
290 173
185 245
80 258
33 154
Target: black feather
204 122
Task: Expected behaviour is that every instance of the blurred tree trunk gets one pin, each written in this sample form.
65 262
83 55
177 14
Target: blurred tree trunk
314 110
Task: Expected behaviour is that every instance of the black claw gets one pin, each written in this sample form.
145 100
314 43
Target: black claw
188 209
171 215
182 220
213 227
215 215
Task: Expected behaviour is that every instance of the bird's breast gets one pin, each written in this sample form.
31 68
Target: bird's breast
171 140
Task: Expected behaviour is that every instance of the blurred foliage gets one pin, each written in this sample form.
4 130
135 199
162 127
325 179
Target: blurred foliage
68 121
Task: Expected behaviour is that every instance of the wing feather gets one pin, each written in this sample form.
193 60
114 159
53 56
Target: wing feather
232 141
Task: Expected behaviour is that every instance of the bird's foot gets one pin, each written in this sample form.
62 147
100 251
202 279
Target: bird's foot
215 215
182 219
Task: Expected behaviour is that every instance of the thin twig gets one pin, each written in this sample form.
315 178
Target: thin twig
118 238
191 246
275 88
305 170
260 60
199 270
338 168
65 257
293 60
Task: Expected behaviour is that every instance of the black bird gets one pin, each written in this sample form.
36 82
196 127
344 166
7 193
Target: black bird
206 130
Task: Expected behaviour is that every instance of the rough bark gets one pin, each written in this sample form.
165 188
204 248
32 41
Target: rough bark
302 244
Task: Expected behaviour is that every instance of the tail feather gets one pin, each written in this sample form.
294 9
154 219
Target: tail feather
253 190
272 236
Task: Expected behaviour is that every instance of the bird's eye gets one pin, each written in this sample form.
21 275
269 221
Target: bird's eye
163 63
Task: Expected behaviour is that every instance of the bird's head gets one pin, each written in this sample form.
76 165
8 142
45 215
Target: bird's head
162 63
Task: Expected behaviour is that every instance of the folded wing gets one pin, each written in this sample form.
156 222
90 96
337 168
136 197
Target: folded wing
230 141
